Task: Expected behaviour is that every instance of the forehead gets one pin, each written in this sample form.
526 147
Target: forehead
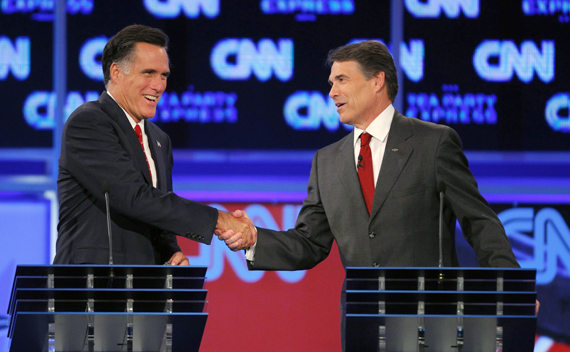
149 54
346 69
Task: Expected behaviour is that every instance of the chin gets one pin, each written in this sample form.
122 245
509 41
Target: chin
150 115
345 121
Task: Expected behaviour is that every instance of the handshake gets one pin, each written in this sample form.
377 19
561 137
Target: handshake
236 230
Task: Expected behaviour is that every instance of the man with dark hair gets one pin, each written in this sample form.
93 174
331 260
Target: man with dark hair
109 145
373 58
121 48
376 192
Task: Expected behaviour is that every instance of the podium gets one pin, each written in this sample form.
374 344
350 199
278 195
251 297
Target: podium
71 308
440 309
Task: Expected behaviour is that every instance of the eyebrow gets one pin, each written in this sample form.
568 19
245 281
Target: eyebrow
167 73
337 77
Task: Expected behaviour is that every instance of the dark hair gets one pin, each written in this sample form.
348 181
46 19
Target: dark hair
373 57
121 47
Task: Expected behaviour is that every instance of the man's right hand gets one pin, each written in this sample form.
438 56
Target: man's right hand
236 230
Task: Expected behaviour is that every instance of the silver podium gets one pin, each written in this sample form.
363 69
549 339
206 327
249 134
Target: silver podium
71 308
440 309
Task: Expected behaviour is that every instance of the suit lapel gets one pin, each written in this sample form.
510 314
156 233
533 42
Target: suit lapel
155 150
139 156
113 109
347 174
396 155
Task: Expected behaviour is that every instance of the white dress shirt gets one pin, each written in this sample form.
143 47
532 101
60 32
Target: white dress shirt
379 129
145 143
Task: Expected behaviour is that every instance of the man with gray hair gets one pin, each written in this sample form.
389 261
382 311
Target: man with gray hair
109 146
376 192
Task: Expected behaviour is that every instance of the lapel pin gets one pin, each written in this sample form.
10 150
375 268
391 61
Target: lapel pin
395 149
158 143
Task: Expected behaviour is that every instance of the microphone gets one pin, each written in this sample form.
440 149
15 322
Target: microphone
441 188
359 162
106 189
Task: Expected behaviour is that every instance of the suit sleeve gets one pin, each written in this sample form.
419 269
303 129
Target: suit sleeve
97 152
168 241
300 248
481 226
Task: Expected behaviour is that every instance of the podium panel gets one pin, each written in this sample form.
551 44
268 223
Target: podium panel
107 308
440 309
148 332
480 333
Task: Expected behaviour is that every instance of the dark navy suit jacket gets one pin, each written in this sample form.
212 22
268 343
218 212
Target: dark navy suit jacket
99 146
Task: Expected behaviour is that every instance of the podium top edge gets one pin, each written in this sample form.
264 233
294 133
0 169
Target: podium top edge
110 266
448 272
447 268
445 316
118 270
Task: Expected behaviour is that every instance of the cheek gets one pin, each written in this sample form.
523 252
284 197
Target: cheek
356 98
363 97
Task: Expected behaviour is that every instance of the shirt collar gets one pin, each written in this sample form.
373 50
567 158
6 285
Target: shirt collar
129 117
380 127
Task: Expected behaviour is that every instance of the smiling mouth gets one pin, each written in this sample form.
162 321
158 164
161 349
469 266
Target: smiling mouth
150 97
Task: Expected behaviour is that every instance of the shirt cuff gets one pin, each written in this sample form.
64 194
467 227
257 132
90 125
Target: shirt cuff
250 253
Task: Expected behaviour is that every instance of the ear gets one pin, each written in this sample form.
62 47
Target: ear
379 81
114 72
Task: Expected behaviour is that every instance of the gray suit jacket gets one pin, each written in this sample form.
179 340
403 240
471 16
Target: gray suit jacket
100 146
421 159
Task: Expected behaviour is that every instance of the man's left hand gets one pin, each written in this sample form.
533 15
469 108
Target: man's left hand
179 259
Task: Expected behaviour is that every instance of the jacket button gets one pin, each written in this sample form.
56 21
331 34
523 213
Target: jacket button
371 235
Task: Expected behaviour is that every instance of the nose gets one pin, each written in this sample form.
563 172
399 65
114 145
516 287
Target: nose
158 83
333 92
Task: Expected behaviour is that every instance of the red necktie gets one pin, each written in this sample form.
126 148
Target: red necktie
365 172
139 134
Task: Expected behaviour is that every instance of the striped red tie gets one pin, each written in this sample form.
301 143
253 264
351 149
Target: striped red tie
139 134
365 172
